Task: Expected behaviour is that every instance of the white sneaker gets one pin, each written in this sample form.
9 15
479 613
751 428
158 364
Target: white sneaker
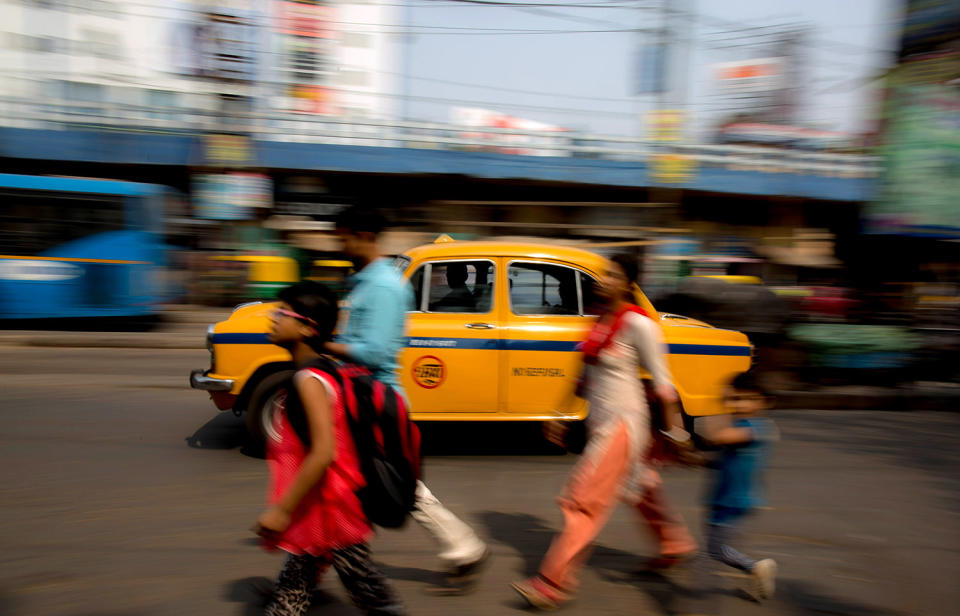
765 575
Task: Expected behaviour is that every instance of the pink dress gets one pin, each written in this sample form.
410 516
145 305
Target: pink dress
330 516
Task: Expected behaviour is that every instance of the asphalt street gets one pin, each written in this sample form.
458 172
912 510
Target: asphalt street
125 493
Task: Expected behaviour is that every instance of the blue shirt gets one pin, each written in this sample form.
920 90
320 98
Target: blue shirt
374 332
738 477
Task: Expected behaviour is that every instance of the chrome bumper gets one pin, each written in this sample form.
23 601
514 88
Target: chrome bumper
200 380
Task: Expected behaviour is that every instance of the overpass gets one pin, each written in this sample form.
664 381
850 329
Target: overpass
194 138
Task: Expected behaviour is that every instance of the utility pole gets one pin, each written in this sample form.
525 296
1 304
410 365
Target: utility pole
407 35
682 67
664 46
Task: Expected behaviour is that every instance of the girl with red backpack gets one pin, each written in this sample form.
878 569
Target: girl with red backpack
615 462
313 512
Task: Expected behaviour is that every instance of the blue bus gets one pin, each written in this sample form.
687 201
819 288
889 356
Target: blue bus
80 248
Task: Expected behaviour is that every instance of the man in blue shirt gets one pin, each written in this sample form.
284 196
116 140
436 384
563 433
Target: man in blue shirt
372 335
375 312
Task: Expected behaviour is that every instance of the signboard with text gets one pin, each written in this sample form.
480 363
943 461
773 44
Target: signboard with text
921 150
756 75
230 196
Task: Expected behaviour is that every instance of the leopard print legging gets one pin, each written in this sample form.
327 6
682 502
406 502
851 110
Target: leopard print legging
368 588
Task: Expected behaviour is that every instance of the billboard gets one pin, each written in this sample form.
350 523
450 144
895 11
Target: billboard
755 75
552 141
921 149
230 196
785 136
215 42
306 37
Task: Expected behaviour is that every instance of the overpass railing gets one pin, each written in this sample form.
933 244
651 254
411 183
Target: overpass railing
311 128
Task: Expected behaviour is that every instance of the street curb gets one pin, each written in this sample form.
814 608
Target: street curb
891 399
109 340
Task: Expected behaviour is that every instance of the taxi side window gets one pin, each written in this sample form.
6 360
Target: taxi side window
460 287
543 289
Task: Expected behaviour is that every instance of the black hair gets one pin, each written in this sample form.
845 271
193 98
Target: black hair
748 381
628 264
318 303
361 218
457 274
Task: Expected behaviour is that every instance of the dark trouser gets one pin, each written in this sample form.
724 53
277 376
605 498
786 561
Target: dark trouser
721 532
368 588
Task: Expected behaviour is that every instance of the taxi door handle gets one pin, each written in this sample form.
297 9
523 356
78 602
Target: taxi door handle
479 326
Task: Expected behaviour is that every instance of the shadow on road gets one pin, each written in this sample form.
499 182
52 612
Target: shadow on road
224 431
494 438
527 534
6 603
227 431
254 593
669 596
412 574
803 598
531 537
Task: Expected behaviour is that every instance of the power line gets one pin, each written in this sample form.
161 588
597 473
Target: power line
574 18
614 4
390 95
509 90
498 3
493 31
424 30
724 23
458 28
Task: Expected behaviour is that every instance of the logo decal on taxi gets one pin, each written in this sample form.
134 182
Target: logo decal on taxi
537 371
429 372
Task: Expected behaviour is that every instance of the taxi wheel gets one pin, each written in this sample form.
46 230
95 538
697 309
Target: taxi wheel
260 409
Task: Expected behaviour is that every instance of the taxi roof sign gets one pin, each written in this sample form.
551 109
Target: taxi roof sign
444 239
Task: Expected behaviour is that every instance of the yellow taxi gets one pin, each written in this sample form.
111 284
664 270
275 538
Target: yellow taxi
493 336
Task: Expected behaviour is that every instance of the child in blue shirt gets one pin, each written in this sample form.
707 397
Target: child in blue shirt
736 487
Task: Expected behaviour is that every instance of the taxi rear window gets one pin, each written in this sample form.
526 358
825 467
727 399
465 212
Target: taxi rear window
544 289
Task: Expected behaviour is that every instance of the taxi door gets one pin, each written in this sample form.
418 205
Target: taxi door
545 322
452 360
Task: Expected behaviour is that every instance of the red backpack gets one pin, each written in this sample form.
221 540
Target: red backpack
387 441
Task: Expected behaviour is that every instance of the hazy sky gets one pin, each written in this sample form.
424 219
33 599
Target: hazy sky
586 80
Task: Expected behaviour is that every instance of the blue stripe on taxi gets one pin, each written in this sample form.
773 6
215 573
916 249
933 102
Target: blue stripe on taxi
494 344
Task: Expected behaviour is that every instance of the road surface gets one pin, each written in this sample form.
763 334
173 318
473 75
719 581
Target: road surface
125 493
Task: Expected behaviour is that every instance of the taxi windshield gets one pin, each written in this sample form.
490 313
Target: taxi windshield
401 262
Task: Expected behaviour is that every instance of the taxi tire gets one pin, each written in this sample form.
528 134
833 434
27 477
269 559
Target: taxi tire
259 406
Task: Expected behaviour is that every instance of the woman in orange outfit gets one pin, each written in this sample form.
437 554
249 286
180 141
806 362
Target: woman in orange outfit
615 464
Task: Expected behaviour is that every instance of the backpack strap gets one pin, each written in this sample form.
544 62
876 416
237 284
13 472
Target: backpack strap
296 414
